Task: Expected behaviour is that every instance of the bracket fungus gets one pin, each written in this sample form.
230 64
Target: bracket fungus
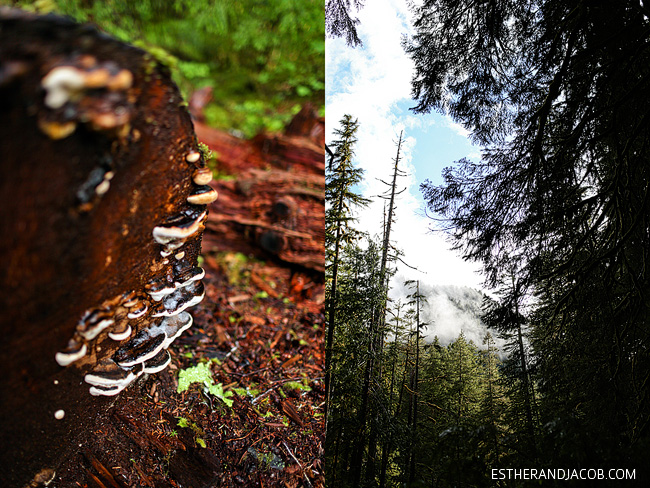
156 313
202 195
202 176
102 220
84 89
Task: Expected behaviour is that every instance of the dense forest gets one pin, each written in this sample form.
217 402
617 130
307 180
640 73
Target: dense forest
556 212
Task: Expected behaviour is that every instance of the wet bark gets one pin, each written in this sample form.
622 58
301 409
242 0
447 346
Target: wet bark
82 186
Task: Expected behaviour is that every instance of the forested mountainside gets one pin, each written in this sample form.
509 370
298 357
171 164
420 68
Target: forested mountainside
449 309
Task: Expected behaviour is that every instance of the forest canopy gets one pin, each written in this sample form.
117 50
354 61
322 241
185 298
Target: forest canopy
556 211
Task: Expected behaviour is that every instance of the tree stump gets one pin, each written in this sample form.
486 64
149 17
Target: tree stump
102 206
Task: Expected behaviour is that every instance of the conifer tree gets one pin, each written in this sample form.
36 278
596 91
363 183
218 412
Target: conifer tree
359 292
393 355
340 202
375 365
556 93
492 405
416 300
339 21
505 316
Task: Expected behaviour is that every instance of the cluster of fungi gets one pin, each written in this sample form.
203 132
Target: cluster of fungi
145 321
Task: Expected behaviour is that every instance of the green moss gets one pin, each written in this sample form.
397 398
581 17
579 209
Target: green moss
297 385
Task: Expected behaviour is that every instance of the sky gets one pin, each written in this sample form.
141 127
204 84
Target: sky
373 84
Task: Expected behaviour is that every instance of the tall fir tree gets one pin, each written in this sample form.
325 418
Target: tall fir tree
359 294
341 200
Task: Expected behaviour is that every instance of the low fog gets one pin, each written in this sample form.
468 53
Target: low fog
449 310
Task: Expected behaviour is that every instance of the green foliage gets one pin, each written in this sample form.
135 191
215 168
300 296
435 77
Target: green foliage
206 152
261 58
340 196
187 424
340 199
266 460
235 266
202 375
557 93
360 296
339 20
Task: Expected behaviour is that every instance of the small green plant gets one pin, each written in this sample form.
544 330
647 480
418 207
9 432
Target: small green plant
246 392
185 424
235 265
266 460
297 385
201 374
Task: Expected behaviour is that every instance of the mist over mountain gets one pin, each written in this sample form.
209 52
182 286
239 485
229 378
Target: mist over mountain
449 310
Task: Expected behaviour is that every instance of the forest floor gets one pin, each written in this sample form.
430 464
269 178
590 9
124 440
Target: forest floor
254 415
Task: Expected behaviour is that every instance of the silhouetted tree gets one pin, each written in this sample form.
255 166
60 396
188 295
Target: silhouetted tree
341 200
339 22
556 92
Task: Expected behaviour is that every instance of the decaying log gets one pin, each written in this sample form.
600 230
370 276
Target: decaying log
102 206
279 210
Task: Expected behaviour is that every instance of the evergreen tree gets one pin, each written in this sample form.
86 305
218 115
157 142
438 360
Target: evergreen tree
451 448
375 365
359 292
556 92
416 300
340 200
392 357
340 23
505 316
463 404
493 405
434 418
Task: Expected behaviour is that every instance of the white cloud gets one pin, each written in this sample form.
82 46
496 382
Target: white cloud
369 83
456 127
448 311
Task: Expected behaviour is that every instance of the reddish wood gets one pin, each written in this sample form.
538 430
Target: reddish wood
68 246
277 202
